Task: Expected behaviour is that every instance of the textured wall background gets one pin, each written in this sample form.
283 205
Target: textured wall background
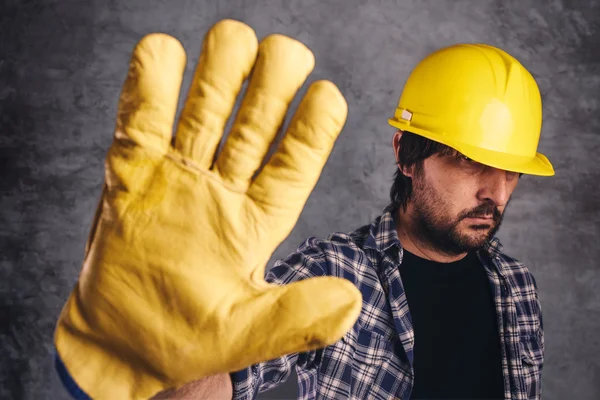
61 67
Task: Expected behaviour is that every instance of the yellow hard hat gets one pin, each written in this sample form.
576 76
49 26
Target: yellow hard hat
480 101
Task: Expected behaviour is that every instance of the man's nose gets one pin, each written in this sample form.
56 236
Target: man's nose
496 186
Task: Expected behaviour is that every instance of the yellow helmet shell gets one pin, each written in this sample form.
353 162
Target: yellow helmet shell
479 100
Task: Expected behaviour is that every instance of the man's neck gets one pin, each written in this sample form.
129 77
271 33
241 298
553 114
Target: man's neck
415 244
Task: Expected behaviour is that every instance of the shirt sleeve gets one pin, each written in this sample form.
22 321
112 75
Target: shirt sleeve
539 315
307 262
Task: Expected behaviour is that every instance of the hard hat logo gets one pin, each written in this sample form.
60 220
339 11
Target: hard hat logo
479 100
406 115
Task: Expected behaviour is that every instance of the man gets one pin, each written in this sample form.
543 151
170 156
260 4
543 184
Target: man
444 313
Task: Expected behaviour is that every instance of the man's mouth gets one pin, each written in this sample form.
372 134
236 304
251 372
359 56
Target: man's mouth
483 217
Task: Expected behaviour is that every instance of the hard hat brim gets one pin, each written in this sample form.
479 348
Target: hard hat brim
538 165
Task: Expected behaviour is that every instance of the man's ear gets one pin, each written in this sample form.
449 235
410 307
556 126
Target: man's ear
406 171
396 144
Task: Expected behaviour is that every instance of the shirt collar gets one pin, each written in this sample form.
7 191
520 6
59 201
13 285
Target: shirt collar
493 247
382 232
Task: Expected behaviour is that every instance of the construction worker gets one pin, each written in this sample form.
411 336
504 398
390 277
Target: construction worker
173 300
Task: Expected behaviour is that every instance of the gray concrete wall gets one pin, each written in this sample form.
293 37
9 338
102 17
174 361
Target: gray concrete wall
61 68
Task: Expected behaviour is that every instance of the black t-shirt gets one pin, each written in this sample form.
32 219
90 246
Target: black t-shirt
457 347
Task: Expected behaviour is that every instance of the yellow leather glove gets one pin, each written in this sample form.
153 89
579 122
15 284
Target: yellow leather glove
172 287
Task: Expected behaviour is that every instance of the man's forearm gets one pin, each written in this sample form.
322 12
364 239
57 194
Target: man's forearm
216 387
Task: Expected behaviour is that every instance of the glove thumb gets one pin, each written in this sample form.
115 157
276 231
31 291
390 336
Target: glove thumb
298 317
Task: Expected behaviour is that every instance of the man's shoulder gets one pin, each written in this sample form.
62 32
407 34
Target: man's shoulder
344 242
336 254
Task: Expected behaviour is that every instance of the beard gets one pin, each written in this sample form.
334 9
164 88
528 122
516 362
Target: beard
434 226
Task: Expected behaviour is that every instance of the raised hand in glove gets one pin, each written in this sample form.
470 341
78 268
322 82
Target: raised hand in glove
172 285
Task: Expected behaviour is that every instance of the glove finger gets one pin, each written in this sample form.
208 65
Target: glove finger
228 55
283 186
282 67
298 317
148 101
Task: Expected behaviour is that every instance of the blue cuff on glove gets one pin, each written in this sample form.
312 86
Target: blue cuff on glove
74 390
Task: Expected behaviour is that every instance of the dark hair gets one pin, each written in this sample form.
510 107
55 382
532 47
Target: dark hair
414 149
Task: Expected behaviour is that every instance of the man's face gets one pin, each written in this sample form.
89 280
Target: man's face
458 204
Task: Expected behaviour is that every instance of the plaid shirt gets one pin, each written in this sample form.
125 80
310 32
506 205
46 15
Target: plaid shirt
374 359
